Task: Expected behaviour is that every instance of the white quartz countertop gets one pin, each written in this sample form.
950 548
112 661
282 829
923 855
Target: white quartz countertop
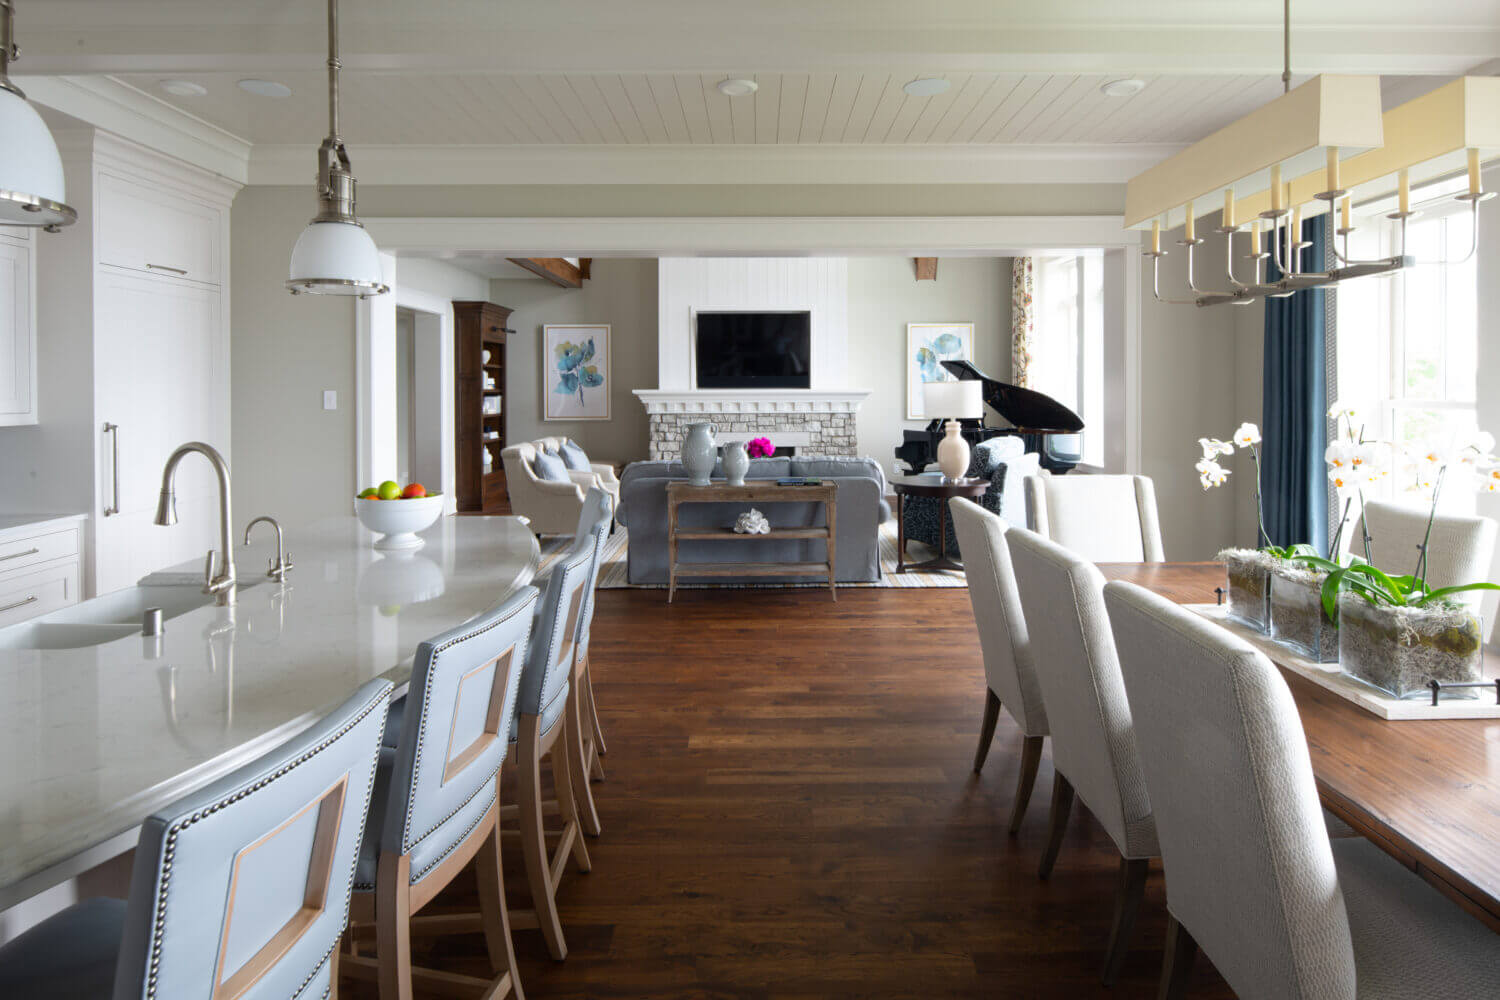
20 525
93 740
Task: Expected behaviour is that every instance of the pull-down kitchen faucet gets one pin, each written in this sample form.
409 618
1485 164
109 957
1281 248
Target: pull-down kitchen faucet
222 585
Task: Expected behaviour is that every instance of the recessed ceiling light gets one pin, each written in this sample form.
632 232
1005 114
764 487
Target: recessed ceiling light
926 86
265 88
183 88
737 87
1127 87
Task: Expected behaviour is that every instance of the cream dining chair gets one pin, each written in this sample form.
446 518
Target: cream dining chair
1093 741
1459 550
1010 675
1252 877
1102 518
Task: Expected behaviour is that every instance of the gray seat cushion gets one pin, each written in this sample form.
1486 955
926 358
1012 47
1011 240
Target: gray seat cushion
71 954
550 467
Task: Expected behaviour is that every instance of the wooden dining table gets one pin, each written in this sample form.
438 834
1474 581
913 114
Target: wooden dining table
1425 791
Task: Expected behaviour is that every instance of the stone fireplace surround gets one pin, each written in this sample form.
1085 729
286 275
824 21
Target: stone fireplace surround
811 421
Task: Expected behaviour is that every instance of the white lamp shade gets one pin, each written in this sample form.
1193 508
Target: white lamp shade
30 167
336 258
953 400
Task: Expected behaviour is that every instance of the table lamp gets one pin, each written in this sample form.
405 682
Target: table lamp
955 400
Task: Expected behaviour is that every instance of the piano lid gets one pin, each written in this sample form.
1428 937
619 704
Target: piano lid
1027 409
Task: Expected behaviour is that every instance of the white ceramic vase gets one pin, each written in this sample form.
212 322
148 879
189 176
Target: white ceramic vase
736 463
953 452
699 453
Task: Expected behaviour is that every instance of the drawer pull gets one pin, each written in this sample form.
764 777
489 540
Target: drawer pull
164 267
17 555
18 604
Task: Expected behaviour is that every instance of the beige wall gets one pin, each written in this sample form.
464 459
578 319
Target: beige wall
622 293
884 296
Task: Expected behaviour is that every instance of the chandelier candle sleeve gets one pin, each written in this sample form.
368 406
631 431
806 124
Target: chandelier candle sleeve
1229 208
1188 223
1344 213
1277 195
1474 182
1333 168
1156 236
1403 190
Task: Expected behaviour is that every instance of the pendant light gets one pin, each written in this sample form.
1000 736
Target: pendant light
31 172
334 255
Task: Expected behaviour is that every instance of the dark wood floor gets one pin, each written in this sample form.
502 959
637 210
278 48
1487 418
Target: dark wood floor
791 812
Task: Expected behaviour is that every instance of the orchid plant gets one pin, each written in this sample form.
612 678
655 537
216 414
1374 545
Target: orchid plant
1212 474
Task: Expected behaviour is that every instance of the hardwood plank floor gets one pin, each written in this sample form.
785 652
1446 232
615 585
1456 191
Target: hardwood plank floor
791 812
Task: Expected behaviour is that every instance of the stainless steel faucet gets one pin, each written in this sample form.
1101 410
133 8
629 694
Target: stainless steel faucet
276 568
222 584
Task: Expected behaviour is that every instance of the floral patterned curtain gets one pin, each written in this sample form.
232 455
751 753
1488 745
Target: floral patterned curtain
1022 322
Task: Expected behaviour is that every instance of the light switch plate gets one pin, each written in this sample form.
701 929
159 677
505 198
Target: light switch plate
330 399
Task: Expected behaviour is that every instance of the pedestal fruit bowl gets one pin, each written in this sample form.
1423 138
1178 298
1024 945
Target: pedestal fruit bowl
398 521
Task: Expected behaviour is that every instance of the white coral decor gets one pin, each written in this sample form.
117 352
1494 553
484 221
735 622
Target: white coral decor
752 522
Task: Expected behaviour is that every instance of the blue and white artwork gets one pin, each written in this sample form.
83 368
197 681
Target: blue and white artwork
575 372
927 345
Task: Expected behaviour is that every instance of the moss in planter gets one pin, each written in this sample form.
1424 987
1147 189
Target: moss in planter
1249 580
1297 615
1401 649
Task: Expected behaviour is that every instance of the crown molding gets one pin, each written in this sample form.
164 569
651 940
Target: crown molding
722 164
125 111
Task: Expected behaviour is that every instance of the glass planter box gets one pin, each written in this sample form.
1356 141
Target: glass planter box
1400 650
1249 587
1297 616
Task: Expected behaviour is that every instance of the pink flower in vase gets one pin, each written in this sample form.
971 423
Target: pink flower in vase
760 448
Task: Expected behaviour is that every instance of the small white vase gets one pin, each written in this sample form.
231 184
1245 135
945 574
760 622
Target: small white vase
736 463
953 452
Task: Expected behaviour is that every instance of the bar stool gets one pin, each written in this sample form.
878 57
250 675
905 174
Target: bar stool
240 889
590 735
436 803
547 725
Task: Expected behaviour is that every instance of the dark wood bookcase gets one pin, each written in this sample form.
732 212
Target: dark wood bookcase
479 327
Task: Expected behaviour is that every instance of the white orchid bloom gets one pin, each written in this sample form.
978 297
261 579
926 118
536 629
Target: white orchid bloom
1368 457
1214 446
1211 473
1246 435
1343 411
1490 486
1342 480
1480 442
1339 457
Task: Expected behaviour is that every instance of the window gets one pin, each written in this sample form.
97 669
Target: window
1408 344
1067 357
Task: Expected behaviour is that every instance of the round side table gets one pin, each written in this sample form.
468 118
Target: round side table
931 485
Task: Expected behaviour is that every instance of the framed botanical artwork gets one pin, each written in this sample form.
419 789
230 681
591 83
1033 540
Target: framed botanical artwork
927 344
575 372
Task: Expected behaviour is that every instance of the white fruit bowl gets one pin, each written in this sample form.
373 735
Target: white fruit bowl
398 521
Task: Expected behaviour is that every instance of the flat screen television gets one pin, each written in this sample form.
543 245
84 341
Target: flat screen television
754 350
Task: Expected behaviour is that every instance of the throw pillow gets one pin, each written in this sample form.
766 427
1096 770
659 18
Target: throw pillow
549 467
573 456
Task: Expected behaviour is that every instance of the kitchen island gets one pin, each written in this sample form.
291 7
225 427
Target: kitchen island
102 725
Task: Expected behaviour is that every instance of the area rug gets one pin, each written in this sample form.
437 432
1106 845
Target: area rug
612 576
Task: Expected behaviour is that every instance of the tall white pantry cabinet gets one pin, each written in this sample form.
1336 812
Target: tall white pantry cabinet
133 345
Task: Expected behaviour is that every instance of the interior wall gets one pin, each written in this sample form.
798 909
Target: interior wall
1489 360
621 292
406 335
884 296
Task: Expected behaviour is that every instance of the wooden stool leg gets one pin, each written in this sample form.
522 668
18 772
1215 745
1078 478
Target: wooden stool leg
1057 824
1031 757
987 728
562 782
1177 961
393 925
588 687
577 762
496 916
1132 887
533 839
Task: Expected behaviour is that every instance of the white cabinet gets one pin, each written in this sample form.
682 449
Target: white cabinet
39 572
17 327
149 227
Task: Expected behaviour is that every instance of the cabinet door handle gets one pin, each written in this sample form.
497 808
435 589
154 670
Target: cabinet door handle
113 430
164 267
18 604
17 555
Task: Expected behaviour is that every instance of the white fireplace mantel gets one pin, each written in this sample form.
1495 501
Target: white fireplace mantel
662 401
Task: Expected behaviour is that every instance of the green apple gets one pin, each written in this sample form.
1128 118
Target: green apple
390 490
368 492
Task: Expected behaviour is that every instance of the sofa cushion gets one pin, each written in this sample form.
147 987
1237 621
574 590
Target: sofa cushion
548 466
573 456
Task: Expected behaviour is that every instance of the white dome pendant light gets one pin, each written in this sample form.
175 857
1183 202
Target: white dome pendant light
334 255
31 171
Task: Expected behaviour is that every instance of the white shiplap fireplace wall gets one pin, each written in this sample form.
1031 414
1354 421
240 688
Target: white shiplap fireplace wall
822 417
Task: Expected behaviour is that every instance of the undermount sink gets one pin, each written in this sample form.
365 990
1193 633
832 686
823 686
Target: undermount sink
50 635
107 618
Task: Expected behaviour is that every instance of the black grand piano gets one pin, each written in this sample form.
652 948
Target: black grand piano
1034 416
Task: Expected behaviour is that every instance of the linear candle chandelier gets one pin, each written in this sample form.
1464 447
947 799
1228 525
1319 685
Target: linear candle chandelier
1317 148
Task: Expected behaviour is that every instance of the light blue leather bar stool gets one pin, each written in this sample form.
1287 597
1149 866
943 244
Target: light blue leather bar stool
548 722
436 805
238 890
583 756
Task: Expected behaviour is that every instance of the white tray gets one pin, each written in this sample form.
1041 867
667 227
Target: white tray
1371 699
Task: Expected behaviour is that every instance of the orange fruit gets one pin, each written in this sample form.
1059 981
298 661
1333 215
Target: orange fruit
413 491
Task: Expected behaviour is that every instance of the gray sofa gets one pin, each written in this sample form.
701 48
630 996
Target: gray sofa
861 511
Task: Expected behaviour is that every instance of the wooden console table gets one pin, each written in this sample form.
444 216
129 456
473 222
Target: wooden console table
753 492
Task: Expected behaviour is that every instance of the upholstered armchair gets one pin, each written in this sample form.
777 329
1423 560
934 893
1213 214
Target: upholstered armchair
1005 462
551 506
